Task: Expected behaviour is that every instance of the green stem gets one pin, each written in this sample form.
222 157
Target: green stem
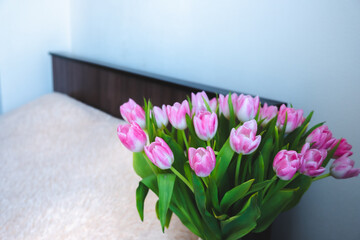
238 163
321 177
205 180
182 178
208 143
185 140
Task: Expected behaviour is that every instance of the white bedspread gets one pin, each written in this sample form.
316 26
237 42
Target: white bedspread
65 175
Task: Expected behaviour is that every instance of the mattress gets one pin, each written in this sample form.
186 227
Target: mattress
65 175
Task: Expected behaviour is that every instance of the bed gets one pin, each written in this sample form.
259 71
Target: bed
64 174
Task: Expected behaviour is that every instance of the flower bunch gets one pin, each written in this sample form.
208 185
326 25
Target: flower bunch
230 165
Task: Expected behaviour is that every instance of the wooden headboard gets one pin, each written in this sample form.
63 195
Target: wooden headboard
106 86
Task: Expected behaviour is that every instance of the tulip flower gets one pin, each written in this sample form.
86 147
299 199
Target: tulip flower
343 167
267 113
321 138
198 103
246 107
160 153
213 104
285 164
294 118
132 112
311 160
244 139
132 136
224 104
205 124
160 116
177 113
202 160
343 148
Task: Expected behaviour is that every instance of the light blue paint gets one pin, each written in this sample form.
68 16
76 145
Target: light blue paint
29 30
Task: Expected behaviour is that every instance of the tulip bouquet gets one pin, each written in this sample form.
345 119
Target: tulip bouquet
230 165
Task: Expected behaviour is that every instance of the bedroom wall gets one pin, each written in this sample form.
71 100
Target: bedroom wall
303 52
29 30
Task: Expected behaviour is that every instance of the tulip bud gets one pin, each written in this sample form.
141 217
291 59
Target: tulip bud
132 136
132 112
177 113
202 160
343 148
213 104
205 124
244 139
246 107
198 103
294 118
285 164
267 113
224 104
160 153
160 116
321 138
311 160
343 167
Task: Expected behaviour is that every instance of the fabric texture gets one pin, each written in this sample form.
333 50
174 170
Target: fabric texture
65 175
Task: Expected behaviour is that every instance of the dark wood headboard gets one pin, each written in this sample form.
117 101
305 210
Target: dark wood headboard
106 86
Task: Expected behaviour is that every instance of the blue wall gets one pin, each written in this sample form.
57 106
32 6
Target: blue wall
29 30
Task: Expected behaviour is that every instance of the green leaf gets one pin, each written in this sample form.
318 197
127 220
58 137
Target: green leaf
151 183
168 215
141 193
206 104
223 160
213 192
266 152
303 183
330 154
272 208
259 168
166 186
194 140
235 195
149 125
258 186
238 226
141 165
208 218
178 151
231 112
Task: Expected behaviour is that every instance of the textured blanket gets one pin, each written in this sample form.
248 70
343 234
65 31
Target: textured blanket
65 175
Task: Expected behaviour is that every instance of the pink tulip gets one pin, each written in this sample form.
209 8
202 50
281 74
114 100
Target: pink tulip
177 113
286 163
205 124
343 148
160 116
321 138
311 160
224 104
294 118
244 139
132 136
343 167
246 107
213 104
160 153
202 160
267 113
132 112
198 103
